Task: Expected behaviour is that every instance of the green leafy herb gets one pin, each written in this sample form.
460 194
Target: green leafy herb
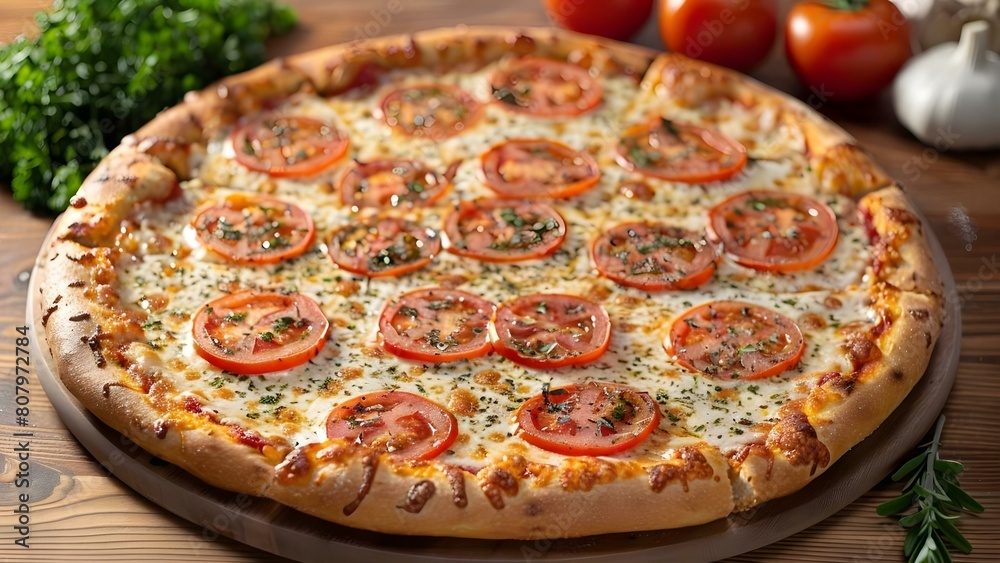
234 317
932 485
670 127
643 158
433 337
439 304
602 423
271 399
282 323
100 69
508 97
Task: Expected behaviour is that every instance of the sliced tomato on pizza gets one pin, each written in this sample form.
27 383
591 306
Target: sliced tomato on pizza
538 168
594 418
287 145
253 332
254 229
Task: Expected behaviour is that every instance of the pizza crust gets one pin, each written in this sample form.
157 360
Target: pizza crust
503 503
88 331
845 416
902 255
559 502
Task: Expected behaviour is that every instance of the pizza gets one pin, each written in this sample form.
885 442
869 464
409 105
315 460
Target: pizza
472 282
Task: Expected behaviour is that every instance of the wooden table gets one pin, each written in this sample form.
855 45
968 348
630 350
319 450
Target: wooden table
77 510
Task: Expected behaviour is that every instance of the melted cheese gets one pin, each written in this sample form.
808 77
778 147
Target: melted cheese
294 404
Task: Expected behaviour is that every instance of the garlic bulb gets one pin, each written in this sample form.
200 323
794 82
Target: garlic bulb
949 96
944 20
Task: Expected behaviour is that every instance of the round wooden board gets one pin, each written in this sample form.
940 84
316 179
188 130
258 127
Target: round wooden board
280 530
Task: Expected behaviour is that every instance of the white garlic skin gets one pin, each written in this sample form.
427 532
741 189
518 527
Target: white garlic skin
949 96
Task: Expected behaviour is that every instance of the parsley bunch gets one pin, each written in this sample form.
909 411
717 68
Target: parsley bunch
933 486
100 69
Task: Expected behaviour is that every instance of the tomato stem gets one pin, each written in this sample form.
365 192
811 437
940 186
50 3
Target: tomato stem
848 5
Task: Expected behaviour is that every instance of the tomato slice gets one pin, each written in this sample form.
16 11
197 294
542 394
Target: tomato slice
383 246
680 153
591 419
434 111
551 331
654 256
774 231
287 146
402 425
545 88
253 229
392 183
500 230
253 332
734 340
437 325
532 168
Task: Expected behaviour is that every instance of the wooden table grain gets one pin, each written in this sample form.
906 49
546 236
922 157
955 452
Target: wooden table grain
79 511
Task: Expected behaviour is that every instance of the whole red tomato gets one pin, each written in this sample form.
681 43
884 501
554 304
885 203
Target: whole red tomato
733 33
615 19
847 49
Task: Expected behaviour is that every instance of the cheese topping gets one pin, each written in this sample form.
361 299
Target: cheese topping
178 275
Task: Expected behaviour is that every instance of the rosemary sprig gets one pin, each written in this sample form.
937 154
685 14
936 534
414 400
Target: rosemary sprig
933 487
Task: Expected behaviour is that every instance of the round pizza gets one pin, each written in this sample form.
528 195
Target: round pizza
461 282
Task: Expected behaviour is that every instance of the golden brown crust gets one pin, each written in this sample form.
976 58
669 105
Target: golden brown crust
506 501
845 416
124 178
89 344
97 348
902 255
335 69
842 409
511 501
844 168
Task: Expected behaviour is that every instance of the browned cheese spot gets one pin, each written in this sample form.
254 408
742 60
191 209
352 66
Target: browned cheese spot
495 482
417 496
370 463
451 281
597 292
106 388
160 428
463 403
456 478
688 464
812 321
296 465
860 348
901 216
48 313
350 373
93 341
737 457
581 474
493 379
795 437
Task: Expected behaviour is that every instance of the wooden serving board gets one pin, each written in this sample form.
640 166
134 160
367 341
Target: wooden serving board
270 526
